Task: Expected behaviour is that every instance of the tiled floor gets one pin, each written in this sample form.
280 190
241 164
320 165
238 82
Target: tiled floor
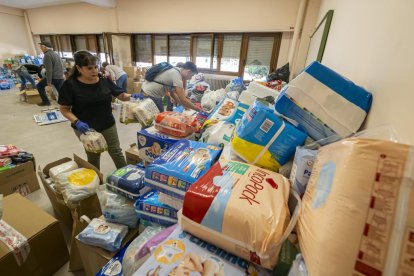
48 143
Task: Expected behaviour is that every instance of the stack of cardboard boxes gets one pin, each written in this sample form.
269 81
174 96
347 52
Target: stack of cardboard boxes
135 78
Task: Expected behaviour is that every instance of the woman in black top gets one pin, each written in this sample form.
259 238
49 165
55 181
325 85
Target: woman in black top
85 100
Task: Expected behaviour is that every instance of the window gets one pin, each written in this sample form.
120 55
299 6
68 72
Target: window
179 49
259 56
80 42
121 50
160 48
143 53
101 48
65 47
230 58
202 51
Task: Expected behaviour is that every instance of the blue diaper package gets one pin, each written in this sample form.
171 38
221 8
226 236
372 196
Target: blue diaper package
103 234
182 165
324 102
265 139
152 143
127 181
149 208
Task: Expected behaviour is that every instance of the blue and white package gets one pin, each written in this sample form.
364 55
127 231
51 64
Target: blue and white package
149 208
324 102
103 234
182 165
152 143
127 181
302 168
264 139
117 209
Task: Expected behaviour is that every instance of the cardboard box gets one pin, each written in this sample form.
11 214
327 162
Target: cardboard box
94 258
137 85
132 156
32 97
21 179
48 251
70 215
130 85
131 71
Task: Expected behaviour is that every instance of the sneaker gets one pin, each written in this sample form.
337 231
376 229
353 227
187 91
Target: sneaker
43 104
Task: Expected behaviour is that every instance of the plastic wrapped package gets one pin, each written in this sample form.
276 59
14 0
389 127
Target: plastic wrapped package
255 91
228 110
197 90
324 102
298 267
179 167
103 234
236 84
218 134
175 124
62 168
228 154
234 195
181 253
173 202
145 111
127 112
358 209
5 161
127 181
77 184
15 242
212 98
127 261
117 209
302 168
8 150
148 207
265 139
93 141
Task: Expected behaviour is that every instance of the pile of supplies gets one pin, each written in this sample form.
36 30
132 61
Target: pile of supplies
268 180
11 156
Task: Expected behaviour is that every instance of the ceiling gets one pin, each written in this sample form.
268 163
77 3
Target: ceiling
31 4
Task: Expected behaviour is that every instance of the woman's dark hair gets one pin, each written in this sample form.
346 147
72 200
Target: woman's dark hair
82 58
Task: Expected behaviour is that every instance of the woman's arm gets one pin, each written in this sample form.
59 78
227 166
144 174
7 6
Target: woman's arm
67 113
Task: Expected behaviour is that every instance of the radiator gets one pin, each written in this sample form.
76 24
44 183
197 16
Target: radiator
217 81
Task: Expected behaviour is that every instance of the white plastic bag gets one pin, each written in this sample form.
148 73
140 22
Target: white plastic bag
117 209
93 141
212 98
127 115
62 168
145 111
77 185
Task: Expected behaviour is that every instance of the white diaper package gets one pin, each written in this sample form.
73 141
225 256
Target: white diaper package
77 184
145 112
103 234
173 202
93 141
62 168
218 134
256 90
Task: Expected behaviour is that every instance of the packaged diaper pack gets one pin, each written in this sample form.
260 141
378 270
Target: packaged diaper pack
62 168
171 201
228 110
77 184
148 207
127 112
302 168
181 253
242 209
128 260
358 210
93 141
176 124
218 134
145 112
324 102
127 181
117 209
152 143
103 234
265 139
179 167
256 90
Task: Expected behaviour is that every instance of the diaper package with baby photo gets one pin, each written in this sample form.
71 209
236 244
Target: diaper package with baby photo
62 168
179 167
264 139
77 184
93 141
228 110
184 254
103 234
152 143
324 102
175 124
149 208
358 210
127 181
240 208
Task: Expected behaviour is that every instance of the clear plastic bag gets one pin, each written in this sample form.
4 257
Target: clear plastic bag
127 112
94 141
175 124
211 98
145 111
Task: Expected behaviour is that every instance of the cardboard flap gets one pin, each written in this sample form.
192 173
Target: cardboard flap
31 93
84 164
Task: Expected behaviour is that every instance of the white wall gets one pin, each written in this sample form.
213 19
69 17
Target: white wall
79 18
13 33
371 42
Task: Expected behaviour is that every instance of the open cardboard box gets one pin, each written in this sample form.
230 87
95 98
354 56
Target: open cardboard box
70 215
48 251
132 156
21 179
